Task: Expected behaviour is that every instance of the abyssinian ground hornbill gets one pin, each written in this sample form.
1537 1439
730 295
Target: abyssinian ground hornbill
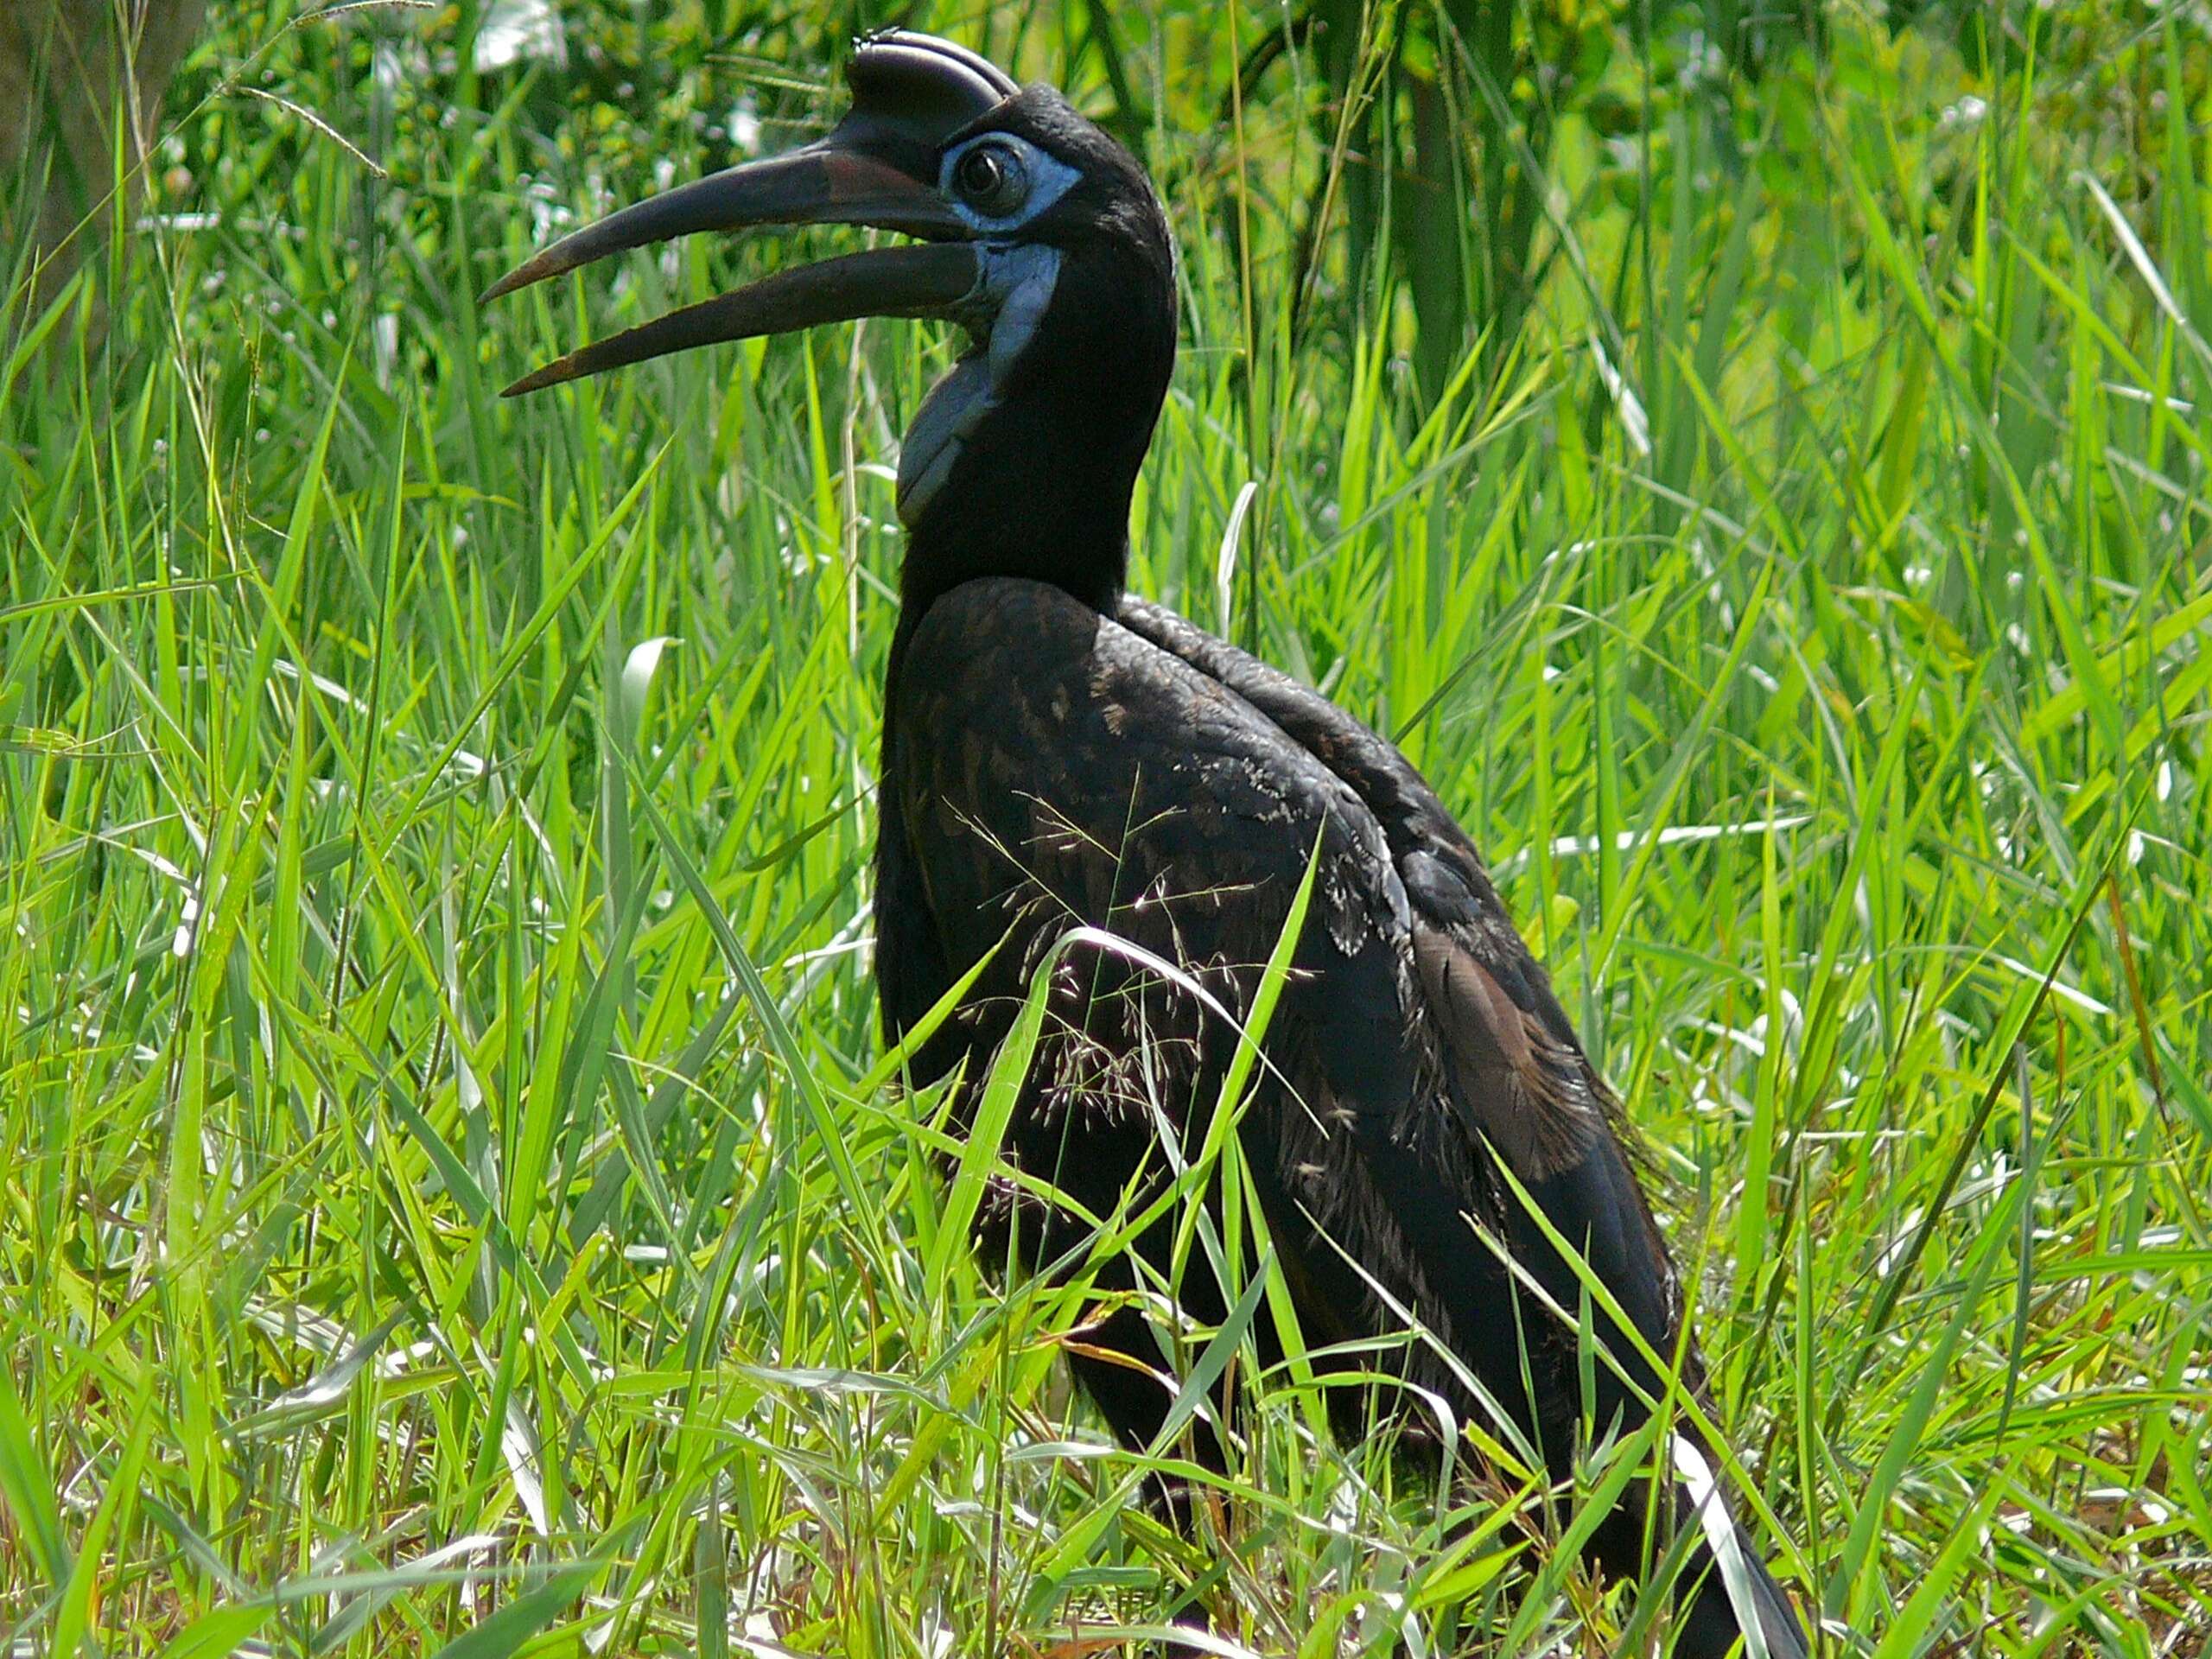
1057 752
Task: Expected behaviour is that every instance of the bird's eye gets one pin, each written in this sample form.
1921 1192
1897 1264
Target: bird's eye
992 180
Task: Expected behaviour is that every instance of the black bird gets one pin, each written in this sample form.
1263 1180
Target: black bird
1060 753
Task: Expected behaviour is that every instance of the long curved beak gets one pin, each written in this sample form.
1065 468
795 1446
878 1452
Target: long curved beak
828 182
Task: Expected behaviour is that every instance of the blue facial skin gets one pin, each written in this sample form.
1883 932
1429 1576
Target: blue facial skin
1048 179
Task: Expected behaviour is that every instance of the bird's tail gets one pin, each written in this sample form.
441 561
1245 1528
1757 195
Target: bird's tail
1718 1611
1711 1623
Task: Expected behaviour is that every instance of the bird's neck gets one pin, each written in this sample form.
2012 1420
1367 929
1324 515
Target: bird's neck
1077 544
1042 484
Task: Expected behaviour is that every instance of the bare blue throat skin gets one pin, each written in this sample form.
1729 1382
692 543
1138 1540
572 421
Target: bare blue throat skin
1013 287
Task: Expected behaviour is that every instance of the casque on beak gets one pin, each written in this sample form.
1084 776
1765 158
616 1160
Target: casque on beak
878 168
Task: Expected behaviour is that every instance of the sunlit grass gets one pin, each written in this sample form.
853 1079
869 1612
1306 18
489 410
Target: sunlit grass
453 1194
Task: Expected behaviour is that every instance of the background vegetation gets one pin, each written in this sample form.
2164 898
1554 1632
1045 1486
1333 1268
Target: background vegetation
1754 461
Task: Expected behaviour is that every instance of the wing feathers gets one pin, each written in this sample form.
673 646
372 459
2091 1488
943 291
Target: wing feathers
1047 765
1517 1087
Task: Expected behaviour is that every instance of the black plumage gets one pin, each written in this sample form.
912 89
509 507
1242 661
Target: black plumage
1057 754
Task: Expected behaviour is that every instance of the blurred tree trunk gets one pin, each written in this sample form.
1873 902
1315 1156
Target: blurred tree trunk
81 80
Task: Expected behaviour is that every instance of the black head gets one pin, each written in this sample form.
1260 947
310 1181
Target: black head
1037 234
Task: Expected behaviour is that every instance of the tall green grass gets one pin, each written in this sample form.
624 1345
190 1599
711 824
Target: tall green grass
453 1204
